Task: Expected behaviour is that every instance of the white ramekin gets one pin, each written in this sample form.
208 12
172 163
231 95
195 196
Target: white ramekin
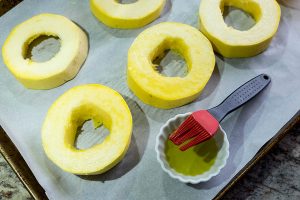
222 155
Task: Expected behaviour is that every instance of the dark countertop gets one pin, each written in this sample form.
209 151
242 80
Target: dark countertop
7 5
276 176
10 185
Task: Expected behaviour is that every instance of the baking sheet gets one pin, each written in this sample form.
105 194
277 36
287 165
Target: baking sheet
139 176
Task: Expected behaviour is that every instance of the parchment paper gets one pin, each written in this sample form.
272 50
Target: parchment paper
139 175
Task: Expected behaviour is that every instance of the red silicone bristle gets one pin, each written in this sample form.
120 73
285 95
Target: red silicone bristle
183 128
190 134
201 125
197 140
186 126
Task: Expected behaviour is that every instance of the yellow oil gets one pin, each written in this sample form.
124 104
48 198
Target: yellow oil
195 160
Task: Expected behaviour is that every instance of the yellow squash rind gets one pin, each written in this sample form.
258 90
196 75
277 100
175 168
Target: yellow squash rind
52 73
127 16
169 92
71 110
233 43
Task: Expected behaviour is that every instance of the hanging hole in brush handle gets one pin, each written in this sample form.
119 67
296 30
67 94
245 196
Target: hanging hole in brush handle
240 96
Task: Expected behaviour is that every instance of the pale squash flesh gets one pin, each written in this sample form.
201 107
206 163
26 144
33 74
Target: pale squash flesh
127 16
52 73
231 42
169 92
100 104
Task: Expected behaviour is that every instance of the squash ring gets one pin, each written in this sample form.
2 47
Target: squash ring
169 92
52 73
230 42
71 110
127 16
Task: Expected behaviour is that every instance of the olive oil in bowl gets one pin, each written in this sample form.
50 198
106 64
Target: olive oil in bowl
197 164
194 161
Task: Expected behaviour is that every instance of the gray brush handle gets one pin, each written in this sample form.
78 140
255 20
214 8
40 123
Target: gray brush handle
240 96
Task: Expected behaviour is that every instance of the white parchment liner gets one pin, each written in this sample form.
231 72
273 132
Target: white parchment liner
139 175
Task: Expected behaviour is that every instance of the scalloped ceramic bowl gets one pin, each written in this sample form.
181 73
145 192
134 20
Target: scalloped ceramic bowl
221 156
